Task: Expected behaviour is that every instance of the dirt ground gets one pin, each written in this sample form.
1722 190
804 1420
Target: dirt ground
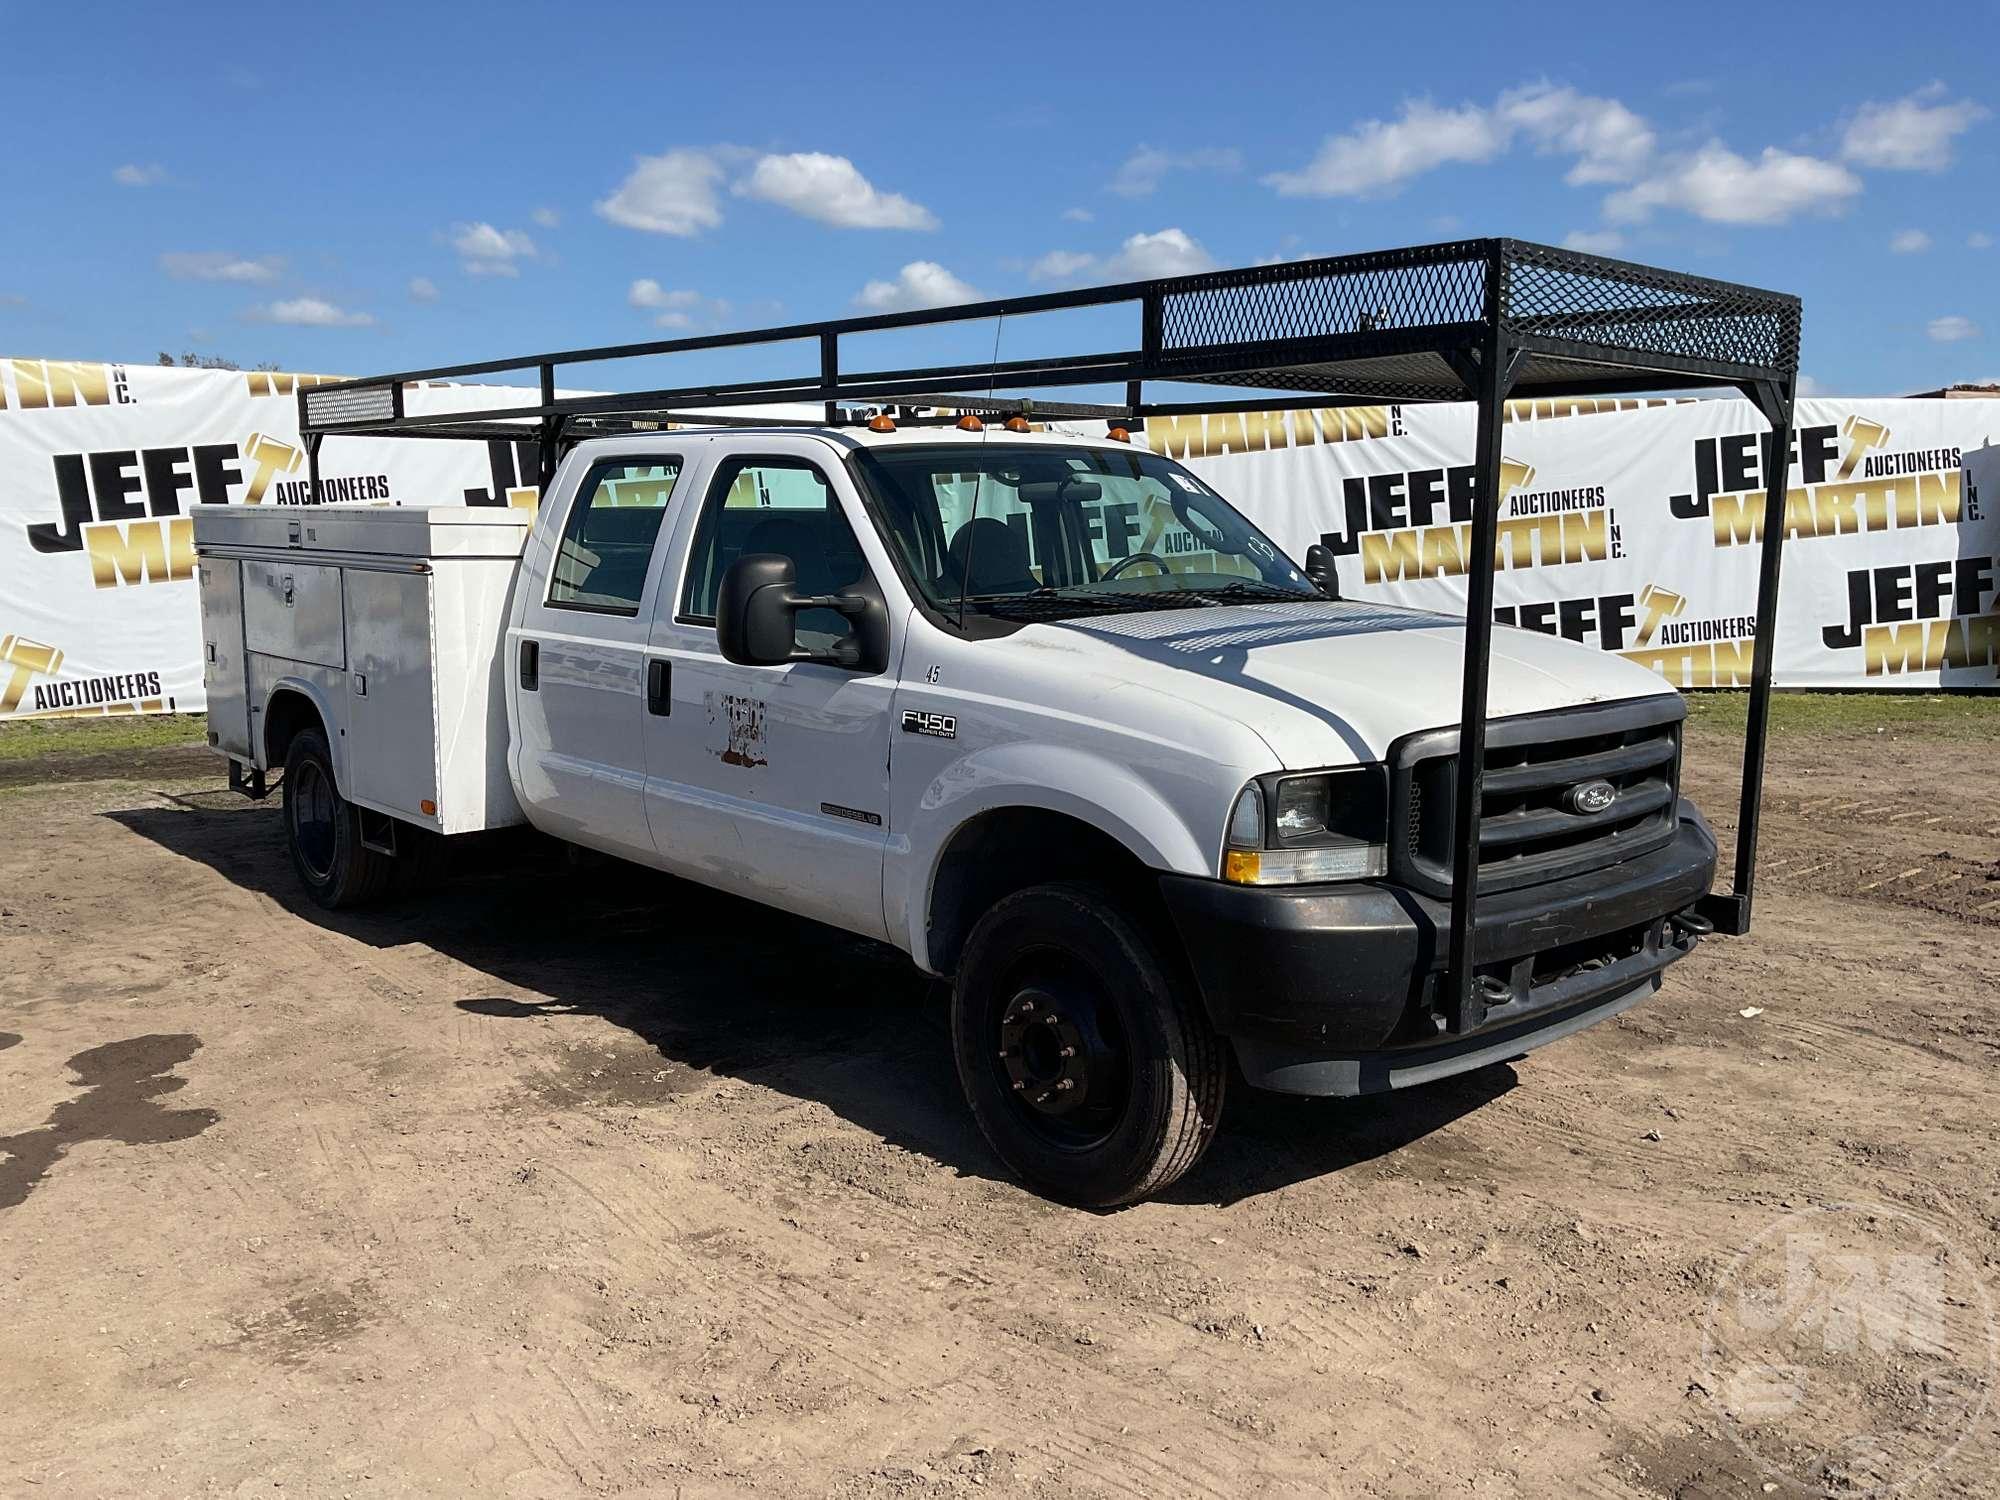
587 1182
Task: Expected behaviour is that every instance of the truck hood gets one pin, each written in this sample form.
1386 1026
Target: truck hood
1326 684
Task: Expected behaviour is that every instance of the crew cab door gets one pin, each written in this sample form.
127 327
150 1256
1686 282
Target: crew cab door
576 652
772 782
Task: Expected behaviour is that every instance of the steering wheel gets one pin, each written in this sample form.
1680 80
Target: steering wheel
1125 562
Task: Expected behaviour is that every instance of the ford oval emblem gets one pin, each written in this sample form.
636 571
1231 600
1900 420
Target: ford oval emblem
1589 797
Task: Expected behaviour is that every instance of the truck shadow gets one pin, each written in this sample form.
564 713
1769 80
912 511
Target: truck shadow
730 988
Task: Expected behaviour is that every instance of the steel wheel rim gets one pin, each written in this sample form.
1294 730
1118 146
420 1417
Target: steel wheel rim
314 808
1060 1053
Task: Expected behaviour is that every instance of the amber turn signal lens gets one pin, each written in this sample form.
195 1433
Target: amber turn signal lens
428 808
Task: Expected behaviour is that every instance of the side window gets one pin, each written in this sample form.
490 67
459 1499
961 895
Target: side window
607 542
781 505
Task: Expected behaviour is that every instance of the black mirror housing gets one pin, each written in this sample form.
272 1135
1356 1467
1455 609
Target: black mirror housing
756 622
756 617
1320 569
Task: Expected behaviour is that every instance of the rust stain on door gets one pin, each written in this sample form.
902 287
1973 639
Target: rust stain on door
743 718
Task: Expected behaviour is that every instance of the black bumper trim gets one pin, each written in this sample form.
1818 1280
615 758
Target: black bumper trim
1339 971
1287 1072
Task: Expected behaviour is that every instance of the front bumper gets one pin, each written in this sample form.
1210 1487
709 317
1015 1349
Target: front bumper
1335 989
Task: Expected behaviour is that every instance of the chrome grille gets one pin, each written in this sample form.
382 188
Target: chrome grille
1528 832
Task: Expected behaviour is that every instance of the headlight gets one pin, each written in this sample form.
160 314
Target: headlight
1324 825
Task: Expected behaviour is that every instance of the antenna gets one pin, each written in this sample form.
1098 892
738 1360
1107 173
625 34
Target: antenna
979 480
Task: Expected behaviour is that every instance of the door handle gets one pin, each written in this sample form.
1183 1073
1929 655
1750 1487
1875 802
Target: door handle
531 665
659 687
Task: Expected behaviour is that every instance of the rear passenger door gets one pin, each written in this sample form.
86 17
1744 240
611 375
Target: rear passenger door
577 655
773 782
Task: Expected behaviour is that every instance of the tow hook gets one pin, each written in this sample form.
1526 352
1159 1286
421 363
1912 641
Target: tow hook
1690 927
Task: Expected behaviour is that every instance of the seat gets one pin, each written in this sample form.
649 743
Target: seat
998 555
788 536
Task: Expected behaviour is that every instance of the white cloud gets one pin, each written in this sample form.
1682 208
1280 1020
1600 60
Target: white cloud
1610 142
1909 241
1952 329
134 175
423 289
12 299
675 309
1912 134
1594 241
831 190
1140 173
221 265
1979 239
487 251
1061 265
1718 185
310 312
922 283
1170 252
1607 141
1809 386
1077 215
673 193
1377 155
547 218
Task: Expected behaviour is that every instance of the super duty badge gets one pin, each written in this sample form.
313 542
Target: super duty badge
944 726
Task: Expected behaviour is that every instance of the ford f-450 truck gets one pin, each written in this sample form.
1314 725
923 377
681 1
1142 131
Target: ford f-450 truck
1045 712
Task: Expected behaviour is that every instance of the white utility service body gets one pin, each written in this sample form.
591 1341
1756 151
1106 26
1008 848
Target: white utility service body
471 670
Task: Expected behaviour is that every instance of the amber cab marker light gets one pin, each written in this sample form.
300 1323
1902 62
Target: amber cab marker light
428 808
970 423
1119 435
1017 424
881 422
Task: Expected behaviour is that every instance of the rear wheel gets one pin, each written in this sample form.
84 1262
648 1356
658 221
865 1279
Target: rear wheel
1086 1060
324 831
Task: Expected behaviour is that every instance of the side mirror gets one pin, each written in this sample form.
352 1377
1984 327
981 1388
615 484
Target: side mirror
757 609
1320 569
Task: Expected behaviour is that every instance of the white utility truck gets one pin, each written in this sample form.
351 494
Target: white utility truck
1044 711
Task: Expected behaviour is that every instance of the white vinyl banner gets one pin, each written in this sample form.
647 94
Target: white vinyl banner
100 466
1629 524
1634 525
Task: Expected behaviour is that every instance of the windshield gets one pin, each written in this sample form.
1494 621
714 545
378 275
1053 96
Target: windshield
1050 532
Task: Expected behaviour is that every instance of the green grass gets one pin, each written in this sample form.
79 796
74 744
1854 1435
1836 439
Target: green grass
29 739
1943 716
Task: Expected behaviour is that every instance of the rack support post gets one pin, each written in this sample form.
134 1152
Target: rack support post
1777 400
1465 1005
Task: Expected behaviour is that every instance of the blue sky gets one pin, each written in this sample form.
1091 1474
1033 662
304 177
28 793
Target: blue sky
356 188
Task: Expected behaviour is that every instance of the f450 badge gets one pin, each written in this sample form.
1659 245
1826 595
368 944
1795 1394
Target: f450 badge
943 726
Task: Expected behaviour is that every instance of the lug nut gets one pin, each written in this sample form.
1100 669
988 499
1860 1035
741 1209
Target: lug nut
1019 1084
1065 1084
1067 1052
1026 1006
1053 1019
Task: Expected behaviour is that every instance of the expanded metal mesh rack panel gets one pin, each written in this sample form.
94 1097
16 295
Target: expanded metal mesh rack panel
1579 316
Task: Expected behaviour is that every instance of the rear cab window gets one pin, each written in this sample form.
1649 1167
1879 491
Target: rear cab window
606 547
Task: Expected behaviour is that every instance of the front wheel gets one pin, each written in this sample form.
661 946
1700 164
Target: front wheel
1088 1064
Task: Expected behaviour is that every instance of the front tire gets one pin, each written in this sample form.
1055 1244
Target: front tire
1085 1057
323 831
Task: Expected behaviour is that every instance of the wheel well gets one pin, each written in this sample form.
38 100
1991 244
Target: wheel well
288 712
1010 849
